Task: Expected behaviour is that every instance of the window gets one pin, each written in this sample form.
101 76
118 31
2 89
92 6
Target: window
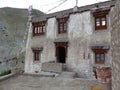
62 25
99 58
36 55
100 19
100 23
99 54
39 28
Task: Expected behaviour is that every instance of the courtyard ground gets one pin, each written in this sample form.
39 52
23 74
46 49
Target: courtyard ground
33 82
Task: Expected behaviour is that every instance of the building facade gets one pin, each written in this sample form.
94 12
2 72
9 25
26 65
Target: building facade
115 38
79 38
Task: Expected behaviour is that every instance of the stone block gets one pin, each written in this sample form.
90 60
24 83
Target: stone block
52 67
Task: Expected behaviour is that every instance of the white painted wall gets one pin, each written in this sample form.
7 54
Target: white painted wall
80 29
51 28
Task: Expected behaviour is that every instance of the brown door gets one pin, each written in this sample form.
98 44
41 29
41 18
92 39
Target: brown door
61 51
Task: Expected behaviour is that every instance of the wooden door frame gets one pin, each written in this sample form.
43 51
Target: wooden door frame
60 44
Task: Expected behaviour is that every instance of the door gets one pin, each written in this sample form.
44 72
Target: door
61 51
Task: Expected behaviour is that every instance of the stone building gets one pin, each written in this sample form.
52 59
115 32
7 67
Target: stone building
115 34
79 39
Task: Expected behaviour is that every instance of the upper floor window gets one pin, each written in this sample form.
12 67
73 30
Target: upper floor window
101 19
39 28
36 55
62 25
100 23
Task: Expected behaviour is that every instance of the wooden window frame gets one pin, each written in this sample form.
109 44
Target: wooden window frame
36 55
39 28
62 23
101 58
100 52
100 14
101 26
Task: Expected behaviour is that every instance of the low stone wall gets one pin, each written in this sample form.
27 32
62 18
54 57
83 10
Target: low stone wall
52 67
6 76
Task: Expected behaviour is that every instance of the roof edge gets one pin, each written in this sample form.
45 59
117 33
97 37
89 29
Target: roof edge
63 13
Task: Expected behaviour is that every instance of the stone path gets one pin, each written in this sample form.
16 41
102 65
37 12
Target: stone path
27 82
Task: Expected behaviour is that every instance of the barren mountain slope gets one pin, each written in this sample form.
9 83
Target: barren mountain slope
13 24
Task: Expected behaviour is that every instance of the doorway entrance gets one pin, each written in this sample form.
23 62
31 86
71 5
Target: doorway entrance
61 51
61 55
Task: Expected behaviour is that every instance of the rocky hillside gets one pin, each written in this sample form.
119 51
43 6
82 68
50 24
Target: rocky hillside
13 29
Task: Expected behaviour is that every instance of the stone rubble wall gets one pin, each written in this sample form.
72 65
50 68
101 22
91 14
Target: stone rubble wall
115 34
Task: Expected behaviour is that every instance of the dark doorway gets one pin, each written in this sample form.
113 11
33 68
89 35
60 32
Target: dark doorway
61 51
61 55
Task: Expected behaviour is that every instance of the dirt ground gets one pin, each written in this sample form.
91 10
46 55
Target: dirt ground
28 82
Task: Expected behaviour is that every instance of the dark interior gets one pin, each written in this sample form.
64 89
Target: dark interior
61 55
